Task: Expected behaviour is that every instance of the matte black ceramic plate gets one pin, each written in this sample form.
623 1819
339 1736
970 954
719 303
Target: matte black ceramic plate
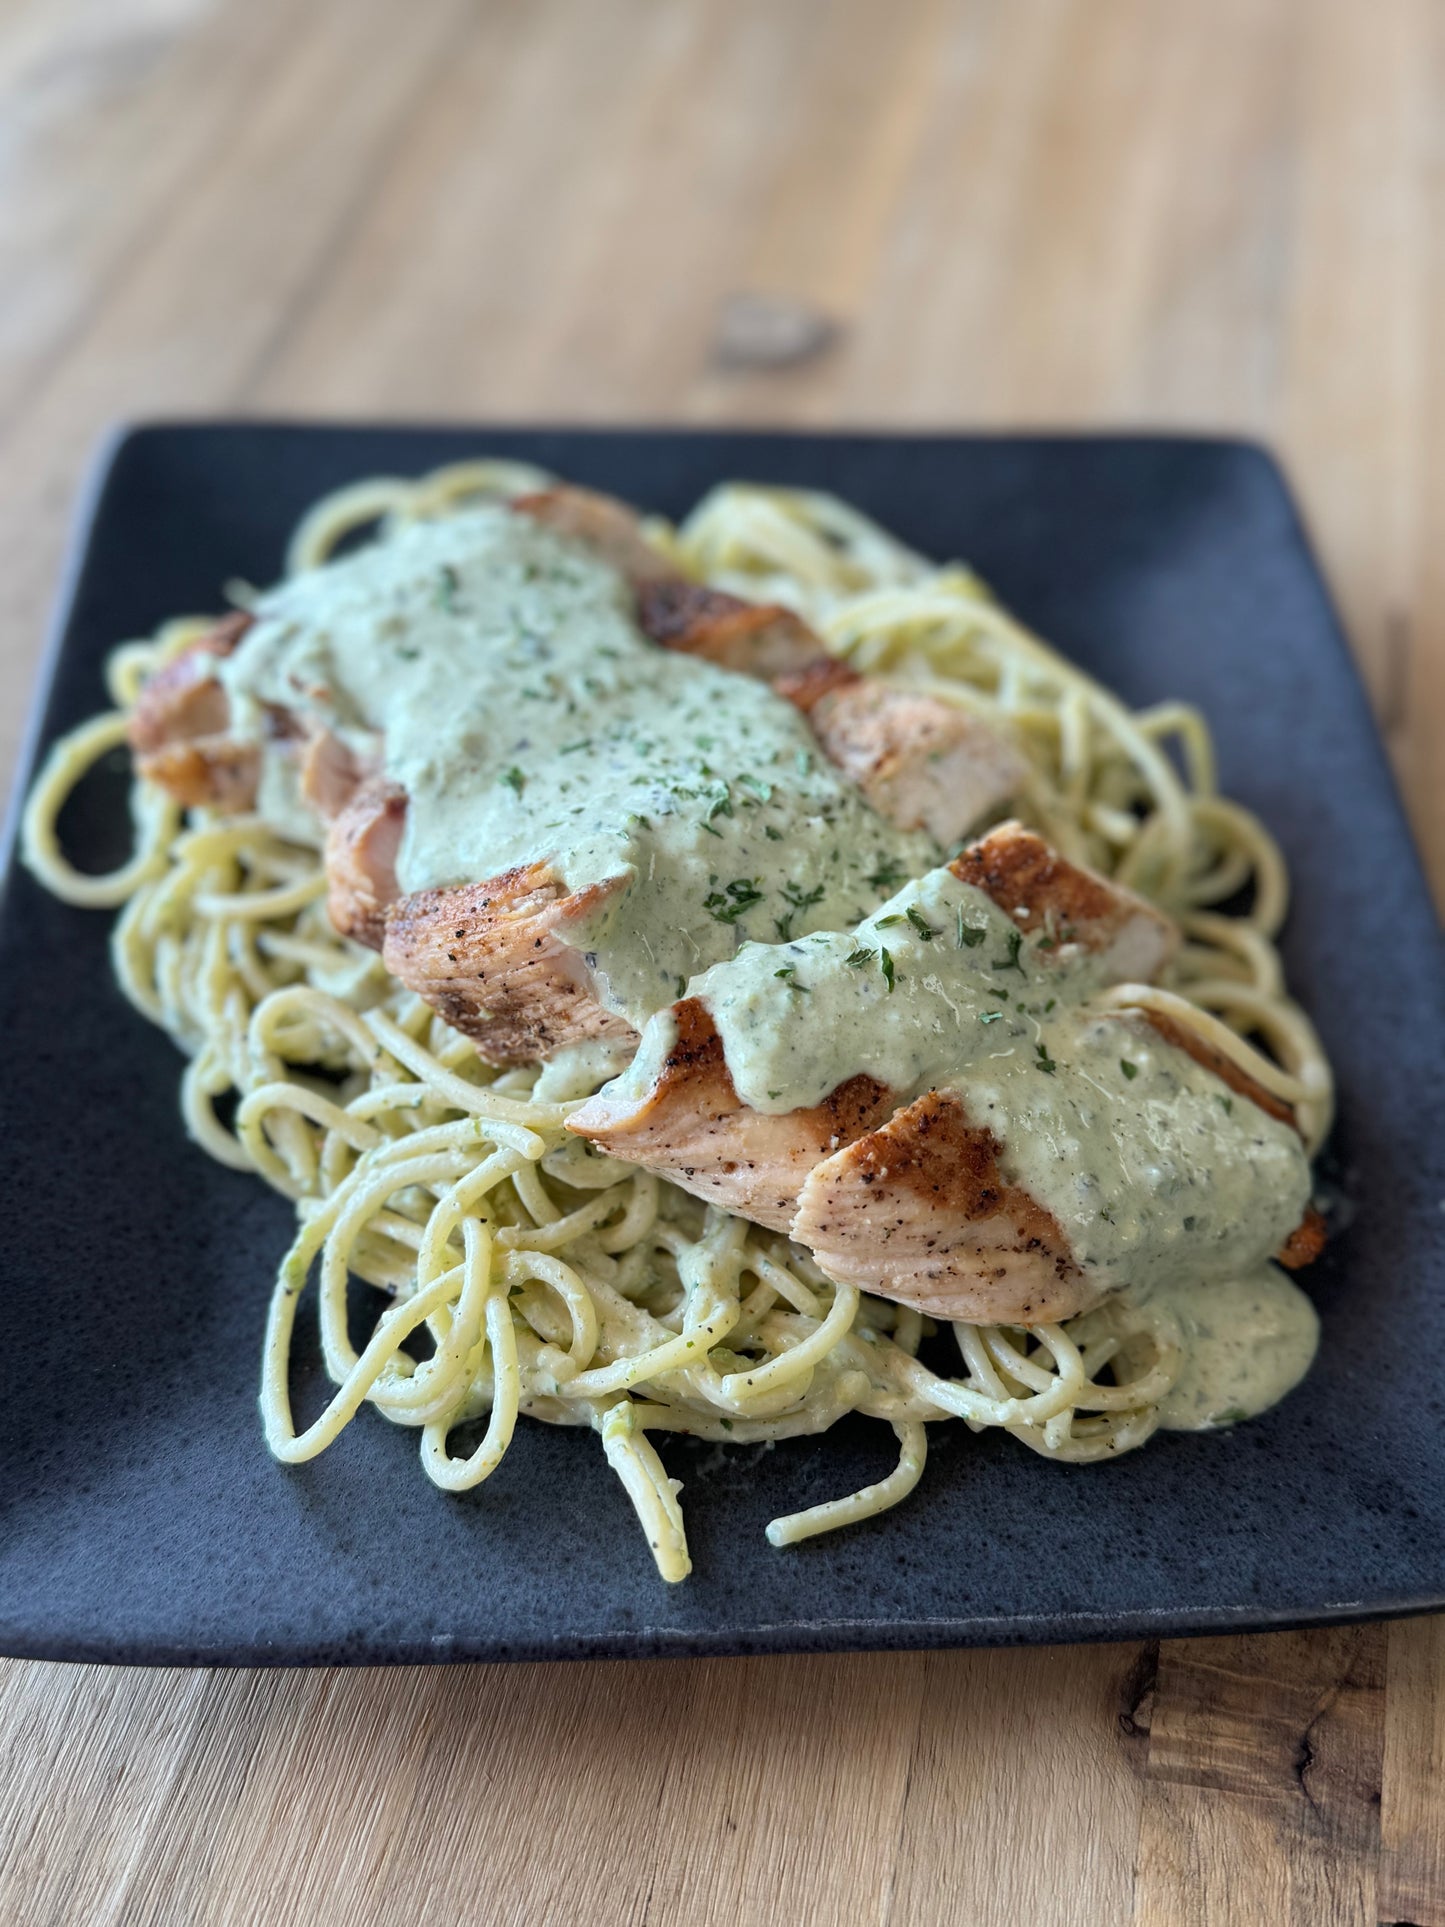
144 1519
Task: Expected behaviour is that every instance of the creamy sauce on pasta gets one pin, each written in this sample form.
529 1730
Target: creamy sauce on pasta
529 720
1247 1342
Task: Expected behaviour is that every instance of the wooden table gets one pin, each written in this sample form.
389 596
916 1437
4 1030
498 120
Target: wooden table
1061 212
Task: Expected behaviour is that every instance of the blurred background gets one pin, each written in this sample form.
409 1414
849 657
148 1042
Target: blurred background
1226 216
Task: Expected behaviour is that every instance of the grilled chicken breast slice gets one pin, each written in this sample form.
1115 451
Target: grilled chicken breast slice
492 959
923 764
919 1211
1078 910
691 1125
363 843
179 729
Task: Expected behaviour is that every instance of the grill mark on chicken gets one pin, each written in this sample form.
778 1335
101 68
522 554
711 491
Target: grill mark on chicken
609 528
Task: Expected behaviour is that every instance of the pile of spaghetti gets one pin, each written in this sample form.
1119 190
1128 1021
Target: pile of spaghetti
534 1276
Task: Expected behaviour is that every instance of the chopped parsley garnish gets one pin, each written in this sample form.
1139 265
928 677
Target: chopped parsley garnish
719 800
1227 1103
856 959
1046 1063
571 749
1131 1071
447 587
763 791
969 936
801 899
885 964
1015 942
773 836
789 976
1106 1214
408 655
990 1016
887 876
514 779
727 906
804 762
921 924
1189 1223
887 923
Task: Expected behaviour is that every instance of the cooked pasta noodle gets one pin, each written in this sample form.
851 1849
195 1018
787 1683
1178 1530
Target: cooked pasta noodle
553 1281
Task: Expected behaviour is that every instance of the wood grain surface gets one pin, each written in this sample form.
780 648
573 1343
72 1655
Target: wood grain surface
1008 212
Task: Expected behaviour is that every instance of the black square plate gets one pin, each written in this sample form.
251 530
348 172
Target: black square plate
144 1519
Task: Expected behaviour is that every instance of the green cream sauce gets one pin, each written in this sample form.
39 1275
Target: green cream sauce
1153 1169
529 720
1247 1341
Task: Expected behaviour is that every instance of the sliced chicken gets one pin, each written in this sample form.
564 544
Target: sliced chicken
332 773
179 727
1307 1240
215 772
919 1211
691 1125
363 843
491 958
666 1125
759 639
610 529
1224 1067
910 1201
1078 910
922 763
